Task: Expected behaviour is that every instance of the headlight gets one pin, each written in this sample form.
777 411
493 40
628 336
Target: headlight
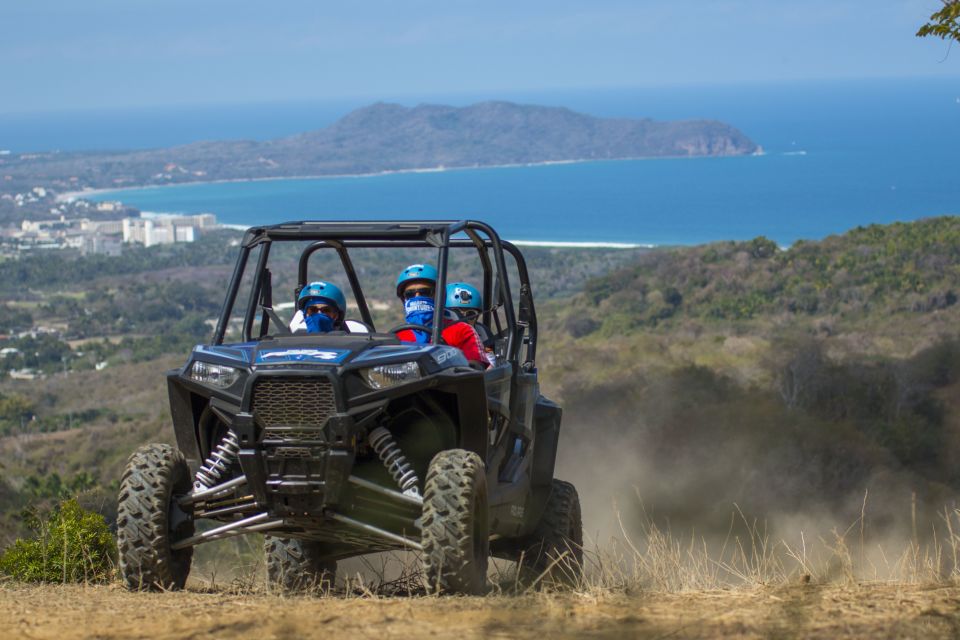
215 375
390 375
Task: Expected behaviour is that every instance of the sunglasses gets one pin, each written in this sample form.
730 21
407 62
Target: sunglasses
424 292
324 309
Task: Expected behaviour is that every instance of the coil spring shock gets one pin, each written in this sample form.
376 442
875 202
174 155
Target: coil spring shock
393 459
222 456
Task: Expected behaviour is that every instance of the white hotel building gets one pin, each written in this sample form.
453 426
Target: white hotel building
150 231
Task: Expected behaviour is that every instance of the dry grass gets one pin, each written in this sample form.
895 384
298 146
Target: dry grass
652 558
648 583
649 559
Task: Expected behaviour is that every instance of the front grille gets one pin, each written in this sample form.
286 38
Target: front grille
291 401
310 436
304 453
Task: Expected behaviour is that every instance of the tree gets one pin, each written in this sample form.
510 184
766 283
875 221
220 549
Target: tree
945 23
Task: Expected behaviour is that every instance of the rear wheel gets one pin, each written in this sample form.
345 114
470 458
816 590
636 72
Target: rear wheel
554 552
456 526
149 519
298 565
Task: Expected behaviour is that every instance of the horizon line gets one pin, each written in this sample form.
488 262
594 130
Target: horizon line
425 96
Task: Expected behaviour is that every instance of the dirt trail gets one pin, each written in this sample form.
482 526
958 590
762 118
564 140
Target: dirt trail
869 611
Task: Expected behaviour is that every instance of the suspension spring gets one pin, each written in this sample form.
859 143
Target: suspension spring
222 456
393 459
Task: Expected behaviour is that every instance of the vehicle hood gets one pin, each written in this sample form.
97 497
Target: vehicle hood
327 350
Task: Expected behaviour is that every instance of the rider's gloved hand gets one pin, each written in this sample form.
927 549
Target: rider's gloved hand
419 310
318 323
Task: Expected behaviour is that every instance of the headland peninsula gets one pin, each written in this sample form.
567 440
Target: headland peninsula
379 138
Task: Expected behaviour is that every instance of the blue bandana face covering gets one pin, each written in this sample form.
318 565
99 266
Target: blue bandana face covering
318 323
419 310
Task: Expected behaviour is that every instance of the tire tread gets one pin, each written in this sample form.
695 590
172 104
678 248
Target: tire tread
555 548
454 480
153 474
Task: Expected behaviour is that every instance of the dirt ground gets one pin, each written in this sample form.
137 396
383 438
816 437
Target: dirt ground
859 611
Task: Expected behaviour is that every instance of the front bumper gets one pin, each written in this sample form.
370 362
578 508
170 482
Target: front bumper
298 477
298 446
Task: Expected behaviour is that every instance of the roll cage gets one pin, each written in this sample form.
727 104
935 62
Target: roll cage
519 323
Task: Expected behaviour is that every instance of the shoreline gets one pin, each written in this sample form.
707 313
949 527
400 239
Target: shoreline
559 244
556 244
547 244
68 196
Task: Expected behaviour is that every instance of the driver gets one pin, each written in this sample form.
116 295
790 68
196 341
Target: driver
416 286
321 307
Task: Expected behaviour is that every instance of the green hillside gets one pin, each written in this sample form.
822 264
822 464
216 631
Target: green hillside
869 272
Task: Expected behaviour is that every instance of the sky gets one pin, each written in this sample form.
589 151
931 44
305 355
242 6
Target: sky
63 54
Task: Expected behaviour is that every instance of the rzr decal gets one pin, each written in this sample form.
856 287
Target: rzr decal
300 355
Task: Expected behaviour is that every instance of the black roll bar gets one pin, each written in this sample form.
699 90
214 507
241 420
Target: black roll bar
227 307
347 266
528 312
443 239
342 236
255 292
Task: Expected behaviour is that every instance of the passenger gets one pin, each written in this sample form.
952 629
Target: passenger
466 301
416 287
321 307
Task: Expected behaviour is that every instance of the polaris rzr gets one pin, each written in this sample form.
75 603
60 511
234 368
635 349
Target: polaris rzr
350 442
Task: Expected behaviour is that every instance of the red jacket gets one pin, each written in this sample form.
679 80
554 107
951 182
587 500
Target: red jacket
460 335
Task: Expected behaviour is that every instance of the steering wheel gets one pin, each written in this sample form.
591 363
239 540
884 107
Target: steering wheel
411 327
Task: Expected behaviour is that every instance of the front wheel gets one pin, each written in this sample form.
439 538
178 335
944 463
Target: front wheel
149 519
456 524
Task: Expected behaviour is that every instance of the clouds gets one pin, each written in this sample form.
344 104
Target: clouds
57 52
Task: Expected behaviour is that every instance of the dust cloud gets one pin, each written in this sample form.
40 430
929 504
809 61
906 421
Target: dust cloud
705 462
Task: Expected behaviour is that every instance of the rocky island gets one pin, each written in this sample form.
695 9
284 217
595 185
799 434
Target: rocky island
387 137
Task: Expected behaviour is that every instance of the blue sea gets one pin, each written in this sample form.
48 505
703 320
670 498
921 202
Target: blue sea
837 155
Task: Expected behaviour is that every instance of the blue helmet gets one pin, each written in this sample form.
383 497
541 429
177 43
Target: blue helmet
414 273
323 292
461 295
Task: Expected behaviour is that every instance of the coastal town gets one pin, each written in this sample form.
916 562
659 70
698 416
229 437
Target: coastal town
41 228
90 227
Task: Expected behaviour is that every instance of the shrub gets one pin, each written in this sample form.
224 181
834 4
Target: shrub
762 247
70 545
579 325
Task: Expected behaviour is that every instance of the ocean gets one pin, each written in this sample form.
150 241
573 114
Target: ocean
837 155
